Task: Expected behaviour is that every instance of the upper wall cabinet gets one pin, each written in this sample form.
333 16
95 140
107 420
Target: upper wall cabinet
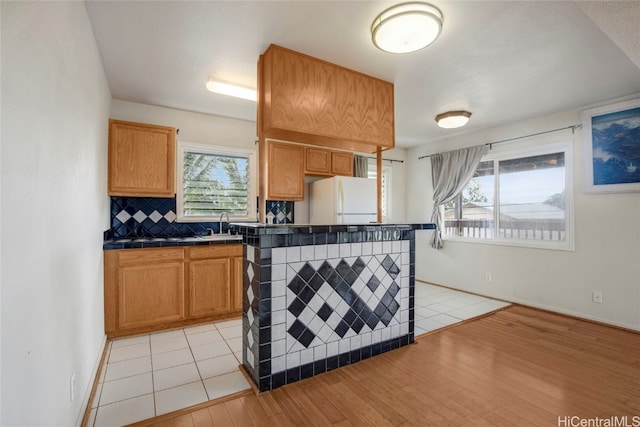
141 160
282 170
322 161
308 100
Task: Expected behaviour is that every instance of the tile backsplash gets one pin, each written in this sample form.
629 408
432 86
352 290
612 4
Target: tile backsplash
279 212
135 217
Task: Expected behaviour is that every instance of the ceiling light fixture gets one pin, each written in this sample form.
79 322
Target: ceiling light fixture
406 27
231 90
453 119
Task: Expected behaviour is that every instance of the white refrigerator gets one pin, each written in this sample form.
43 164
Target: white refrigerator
343 200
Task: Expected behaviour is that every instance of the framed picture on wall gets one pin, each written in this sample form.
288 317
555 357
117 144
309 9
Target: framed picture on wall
611 140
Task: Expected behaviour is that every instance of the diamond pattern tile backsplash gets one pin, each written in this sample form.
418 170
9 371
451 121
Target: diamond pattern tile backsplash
134 217
279 212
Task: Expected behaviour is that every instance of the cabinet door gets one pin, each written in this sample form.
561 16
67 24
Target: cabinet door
317 161
141 160
236 283
341 163
150 294
285 172
210 286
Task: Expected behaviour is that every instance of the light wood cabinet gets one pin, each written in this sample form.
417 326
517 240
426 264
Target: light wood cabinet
284 171
311 101
141 159
237 269
159 288
317 161
143 288
210 286
322 161
341 163
213 279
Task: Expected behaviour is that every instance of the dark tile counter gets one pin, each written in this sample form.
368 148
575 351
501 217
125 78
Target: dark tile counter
319 297
161 242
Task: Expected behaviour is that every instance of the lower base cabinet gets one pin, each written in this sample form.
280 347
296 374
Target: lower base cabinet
150 294
160 288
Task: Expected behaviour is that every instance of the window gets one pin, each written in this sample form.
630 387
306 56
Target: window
372 173
213 180
521 198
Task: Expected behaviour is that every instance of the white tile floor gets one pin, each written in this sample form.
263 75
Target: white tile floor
151 375
436 307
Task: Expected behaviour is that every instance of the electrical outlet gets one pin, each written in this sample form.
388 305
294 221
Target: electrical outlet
597 297
487 277
72 387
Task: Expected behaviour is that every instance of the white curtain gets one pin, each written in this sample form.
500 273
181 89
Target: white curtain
450 173
360 166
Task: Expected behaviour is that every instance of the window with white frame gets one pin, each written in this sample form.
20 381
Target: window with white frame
213 180
517 197
372 173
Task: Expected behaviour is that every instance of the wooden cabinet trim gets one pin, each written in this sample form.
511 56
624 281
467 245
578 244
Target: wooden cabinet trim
237 275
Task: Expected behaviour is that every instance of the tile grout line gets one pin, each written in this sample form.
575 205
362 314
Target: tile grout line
197 367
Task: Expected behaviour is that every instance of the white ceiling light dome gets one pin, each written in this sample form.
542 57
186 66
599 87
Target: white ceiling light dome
453 119
406 27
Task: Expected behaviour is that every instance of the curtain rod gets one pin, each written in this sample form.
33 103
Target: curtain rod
388 160
490 144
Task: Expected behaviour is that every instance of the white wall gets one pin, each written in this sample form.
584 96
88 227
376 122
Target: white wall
55 105
194 127
607 240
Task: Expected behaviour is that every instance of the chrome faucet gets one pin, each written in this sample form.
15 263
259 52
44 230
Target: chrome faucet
222 215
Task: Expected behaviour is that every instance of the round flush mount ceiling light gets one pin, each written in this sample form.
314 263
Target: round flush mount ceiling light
406 27
453 119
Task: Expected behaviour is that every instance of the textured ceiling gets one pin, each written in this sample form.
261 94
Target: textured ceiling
503 61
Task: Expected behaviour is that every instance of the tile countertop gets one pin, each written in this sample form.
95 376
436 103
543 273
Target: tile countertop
238 229
161 242
256 228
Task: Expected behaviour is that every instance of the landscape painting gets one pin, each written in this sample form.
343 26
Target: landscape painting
612 147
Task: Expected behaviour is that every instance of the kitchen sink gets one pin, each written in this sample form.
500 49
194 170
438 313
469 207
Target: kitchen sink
214 237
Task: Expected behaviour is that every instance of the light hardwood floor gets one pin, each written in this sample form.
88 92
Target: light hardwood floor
516 367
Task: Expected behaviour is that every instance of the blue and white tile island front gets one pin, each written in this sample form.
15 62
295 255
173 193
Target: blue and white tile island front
319 297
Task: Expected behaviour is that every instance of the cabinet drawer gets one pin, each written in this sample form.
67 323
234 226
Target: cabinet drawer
215 251
148 255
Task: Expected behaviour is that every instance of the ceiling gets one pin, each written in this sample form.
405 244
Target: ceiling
503 61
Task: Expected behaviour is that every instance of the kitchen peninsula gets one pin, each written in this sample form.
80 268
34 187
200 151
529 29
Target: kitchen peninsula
318 297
